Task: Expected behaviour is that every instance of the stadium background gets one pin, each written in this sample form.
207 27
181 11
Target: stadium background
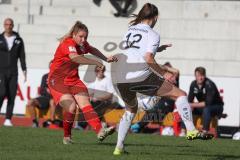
203 33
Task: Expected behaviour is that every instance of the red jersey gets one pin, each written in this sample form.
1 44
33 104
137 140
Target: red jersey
62 67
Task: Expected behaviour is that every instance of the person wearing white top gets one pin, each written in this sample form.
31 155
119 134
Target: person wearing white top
101 97
138 72
101 92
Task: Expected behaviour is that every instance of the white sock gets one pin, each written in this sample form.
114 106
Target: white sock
124 126
185 112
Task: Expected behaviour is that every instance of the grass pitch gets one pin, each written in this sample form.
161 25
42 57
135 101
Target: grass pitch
35 144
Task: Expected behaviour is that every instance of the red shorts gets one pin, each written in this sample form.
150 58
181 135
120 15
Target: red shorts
58 89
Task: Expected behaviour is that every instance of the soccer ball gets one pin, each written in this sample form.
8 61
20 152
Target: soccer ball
236 136
167 131
147 102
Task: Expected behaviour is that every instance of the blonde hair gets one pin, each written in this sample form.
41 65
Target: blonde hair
75 28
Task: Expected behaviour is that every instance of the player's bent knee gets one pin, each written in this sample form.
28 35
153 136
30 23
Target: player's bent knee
68 105
71 108
181 93
83 102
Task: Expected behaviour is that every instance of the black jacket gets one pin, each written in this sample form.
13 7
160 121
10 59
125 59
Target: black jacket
208 93
9 59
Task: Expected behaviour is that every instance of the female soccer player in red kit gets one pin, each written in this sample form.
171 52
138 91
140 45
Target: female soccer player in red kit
65 86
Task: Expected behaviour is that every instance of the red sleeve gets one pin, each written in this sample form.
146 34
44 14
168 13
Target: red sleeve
87 47
68 47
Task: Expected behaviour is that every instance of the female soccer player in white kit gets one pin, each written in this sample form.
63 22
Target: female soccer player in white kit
137 71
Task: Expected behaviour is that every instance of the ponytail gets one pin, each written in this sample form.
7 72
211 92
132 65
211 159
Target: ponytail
148 11
75 28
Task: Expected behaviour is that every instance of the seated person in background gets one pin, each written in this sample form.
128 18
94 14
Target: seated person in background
123 12
209 101
43 102
101 92
117 4
101 95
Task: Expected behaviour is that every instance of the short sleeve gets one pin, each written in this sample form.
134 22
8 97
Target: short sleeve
68 48
153 42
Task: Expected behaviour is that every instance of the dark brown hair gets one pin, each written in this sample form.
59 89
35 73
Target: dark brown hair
97 69
201 70
75 28
148 11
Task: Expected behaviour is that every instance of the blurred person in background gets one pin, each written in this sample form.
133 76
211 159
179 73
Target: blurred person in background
101 96
101 92
209 100
43 102
121 12
97 2
11 49
117 4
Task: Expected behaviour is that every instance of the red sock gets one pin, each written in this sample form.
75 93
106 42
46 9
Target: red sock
176 123
92 118
68 119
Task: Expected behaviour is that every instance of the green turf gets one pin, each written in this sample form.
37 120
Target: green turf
44 144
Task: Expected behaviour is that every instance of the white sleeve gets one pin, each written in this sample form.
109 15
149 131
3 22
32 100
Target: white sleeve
153 42
110 88
91 85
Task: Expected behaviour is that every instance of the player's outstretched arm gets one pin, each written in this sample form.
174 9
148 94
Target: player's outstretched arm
84 61
94 51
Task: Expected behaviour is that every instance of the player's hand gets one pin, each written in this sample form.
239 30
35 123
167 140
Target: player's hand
112 59
25 76
163 47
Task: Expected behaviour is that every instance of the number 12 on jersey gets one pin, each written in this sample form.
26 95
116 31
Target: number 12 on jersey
136 38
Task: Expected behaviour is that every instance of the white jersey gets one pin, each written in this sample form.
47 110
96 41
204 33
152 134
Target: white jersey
139 40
